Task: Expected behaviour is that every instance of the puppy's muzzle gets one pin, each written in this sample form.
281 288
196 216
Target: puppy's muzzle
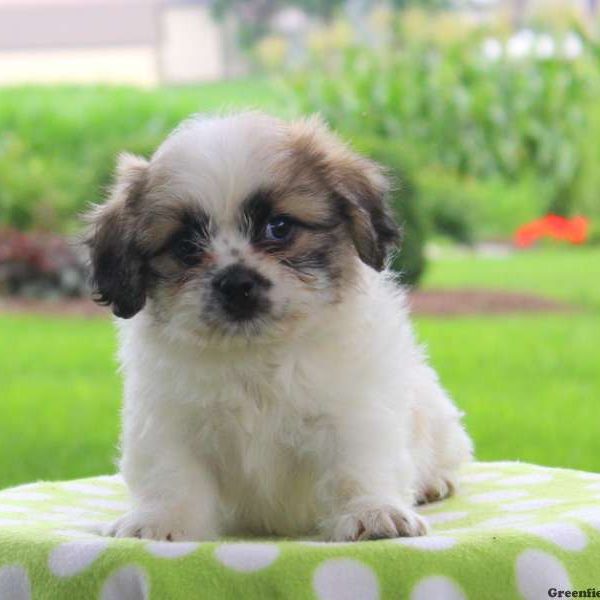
242 292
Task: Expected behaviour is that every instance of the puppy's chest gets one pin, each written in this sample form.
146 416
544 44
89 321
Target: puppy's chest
254 424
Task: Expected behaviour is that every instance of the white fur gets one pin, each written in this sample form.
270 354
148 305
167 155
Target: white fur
336 425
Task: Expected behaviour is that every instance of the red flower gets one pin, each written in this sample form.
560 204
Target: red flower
573 231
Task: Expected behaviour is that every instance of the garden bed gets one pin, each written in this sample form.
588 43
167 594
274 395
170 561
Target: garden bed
474 302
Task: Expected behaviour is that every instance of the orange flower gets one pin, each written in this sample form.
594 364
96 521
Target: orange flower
573 231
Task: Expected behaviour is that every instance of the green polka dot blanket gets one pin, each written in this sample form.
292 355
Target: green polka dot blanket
513 531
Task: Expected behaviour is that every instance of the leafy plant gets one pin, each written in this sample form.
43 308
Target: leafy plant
40 265
409 261
58 144
458 111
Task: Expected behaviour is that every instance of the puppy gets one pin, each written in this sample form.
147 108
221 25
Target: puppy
273 384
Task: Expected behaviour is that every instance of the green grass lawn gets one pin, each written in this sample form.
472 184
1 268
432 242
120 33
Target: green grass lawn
568 274
59 395
530 385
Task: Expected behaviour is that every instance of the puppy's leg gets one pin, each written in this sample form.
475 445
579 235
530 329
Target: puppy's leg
368 487
173 494
451 449
441 444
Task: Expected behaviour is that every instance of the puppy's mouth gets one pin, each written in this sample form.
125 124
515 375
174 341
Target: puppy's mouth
239 301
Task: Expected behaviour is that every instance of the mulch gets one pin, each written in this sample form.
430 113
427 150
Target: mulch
71 307
444 303
448 303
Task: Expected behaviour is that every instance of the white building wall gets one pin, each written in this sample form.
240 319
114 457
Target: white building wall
138 42
134 65
191 45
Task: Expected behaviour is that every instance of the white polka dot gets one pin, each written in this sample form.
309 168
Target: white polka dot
497 496
589 515
86 524
73 533
172 549
14 583
505 522
128 582
98 529
89 488
116 480
8 508
108 504
477 467
73 557
531 479
511 464
74 515
428 542
594 487
12 523
531 504
564 535
50 518
589 476
431 507
25 495
537 572
74 511
247 556
437 588
479 477
345 579
445 517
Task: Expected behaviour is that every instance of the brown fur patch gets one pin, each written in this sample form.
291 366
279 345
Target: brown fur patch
337 179
118 272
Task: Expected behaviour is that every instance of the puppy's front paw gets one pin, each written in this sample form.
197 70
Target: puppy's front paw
378 522
152 526
439 489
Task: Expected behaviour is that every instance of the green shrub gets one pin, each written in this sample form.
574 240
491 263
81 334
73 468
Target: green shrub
58 145
467 209
409 260
594 234
440 202
510 125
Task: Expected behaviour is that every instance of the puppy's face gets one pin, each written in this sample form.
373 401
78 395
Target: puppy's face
239 226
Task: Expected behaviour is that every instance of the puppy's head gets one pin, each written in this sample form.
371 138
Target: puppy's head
239 226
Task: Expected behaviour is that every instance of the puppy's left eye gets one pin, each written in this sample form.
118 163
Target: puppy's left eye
187 251
279 229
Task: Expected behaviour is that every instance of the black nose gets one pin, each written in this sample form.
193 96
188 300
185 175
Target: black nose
241 291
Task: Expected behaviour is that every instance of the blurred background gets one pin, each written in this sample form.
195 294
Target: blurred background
485 112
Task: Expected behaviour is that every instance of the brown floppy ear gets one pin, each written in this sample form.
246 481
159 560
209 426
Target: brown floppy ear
358 184
363 189
118 272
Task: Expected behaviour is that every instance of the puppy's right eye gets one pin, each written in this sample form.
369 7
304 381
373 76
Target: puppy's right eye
187 251
279 229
